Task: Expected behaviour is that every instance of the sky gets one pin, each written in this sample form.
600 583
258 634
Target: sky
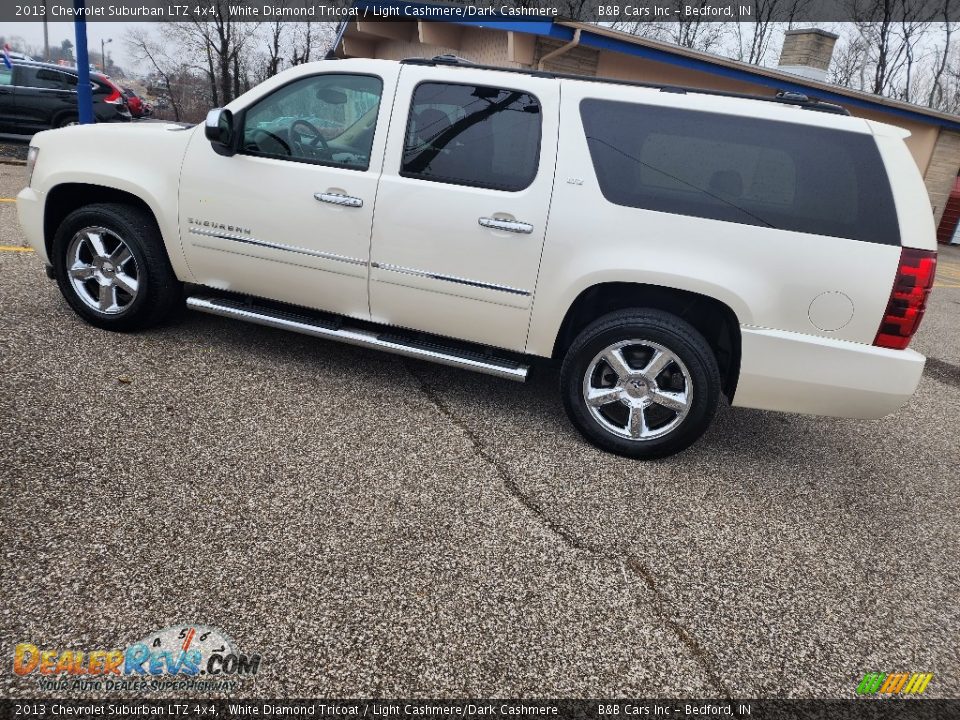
32 33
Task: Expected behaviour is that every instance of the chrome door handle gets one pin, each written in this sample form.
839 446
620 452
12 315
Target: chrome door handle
338 199
513 226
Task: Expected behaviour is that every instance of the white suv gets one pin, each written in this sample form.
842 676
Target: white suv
667 244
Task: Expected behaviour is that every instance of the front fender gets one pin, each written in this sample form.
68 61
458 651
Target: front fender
142 160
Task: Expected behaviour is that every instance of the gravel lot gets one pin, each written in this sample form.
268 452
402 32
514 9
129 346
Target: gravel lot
375 526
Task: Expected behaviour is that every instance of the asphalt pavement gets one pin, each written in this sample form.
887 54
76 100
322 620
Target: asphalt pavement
13 152
377 526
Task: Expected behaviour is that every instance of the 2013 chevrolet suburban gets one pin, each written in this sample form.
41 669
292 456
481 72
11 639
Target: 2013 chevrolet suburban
668 245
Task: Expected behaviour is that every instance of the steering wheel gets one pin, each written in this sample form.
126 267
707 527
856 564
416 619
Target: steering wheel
312 131
272 136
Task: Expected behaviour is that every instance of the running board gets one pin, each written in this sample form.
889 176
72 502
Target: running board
392 342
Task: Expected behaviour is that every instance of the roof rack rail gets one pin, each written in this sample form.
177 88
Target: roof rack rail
783 97
447 59
808 102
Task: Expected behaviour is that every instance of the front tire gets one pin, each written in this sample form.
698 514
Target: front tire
111 266
640 383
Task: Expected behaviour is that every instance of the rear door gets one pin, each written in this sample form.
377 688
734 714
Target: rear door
8 111
462 204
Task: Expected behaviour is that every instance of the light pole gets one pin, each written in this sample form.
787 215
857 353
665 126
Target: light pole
46 35
84 91
103 54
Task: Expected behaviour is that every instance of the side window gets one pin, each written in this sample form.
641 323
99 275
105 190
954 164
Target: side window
322 119
766 175
741 169
25 76
42 78
6 75
472 135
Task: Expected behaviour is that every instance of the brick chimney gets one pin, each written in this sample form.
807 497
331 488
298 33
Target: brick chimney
807 52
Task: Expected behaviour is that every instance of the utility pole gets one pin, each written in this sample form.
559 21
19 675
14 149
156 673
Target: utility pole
46 36
103 54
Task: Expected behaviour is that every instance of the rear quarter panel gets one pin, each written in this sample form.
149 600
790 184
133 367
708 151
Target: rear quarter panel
917 226
768 277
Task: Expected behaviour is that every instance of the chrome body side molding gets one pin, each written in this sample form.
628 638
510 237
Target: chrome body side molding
356 261
278 246
448 278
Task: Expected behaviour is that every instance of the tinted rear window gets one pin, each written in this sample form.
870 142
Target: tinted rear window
46 78
741 169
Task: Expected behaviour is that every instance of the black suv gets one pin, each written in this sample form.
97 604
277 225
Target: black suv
37 96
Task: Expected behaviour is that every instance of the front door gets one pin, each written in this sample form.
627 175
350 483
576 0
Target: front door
463 201
288 218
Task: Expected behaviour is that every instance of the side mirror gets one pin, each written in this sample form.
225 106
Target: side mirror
220 131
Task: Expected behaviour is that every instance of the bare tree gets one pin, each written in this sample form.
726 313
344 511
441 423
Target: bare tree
311 41
144 48
216 40
690 32
893 29
755 37
849 61
698 34
941 57
275 35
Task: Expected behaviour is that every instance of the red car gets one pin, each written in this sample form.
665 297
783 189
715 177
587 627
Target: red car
138 108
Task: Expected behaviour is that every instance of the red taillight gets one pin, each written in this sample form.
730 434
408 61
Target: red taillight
115 97
908 300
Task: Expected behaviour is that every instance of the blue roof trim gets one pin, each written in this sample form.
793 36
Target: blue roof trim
500 22
547 28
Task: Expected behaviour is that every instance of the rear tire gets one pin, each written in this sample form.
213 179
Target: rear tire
112 268
67 121
640 383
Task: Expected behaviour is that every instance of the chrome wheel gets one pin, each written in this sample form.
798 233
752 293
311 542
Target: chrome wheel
637 389
102 270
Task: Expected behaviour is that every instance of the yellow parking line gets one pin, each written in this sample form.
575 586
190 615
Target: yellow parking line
8 199
15 248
